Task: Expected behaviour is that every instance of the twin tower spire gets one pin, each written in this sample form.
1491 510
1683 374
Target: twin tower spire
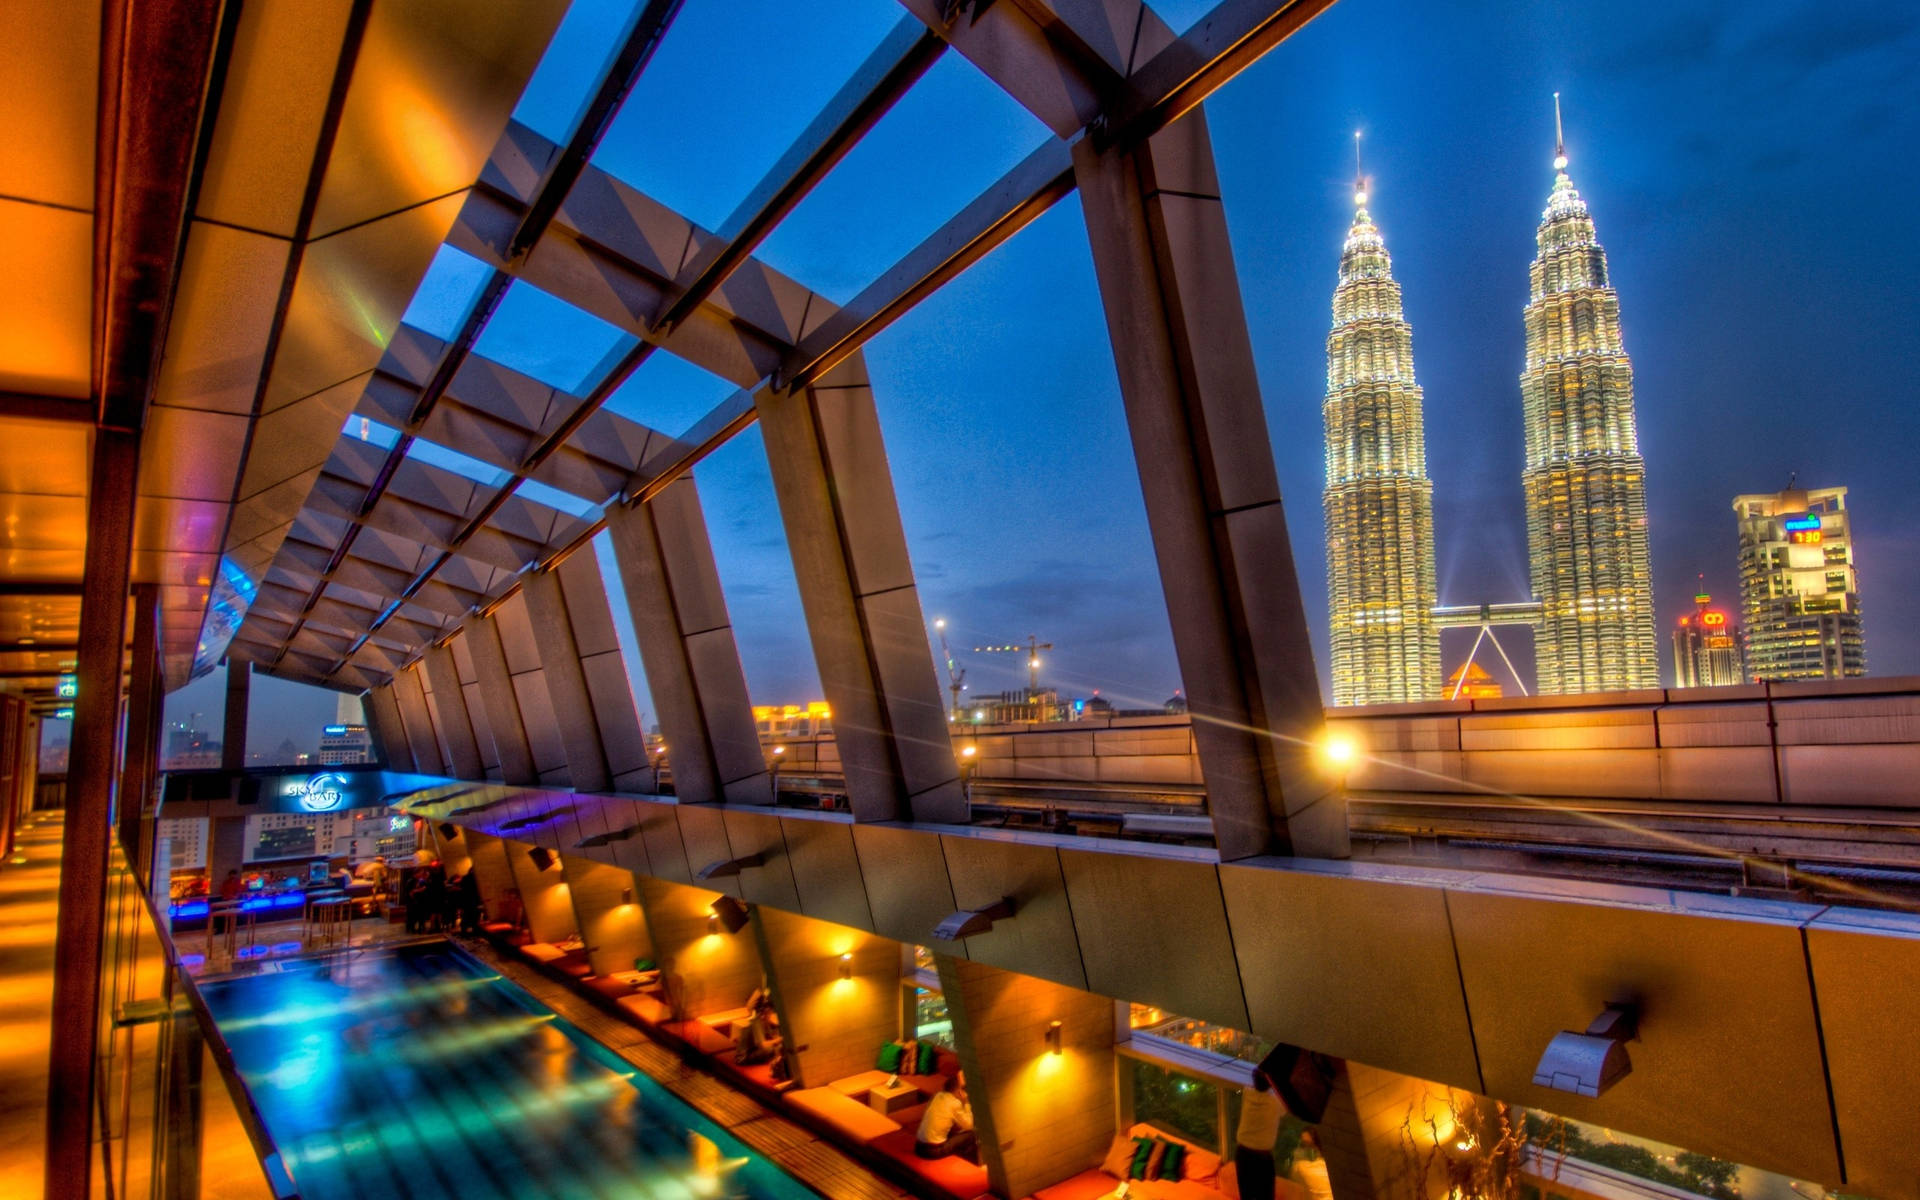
1584 480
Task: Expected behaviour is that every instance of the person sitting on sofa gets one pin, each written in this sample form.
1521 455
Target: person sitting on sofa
1310 1168
946 1129
759 1041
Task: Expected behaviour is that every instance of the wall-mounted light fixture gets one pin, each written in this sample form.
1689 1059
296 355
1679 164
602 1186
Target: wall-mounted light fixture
626 896
713 923
966 923
1053 1037
729 912
846 966
728 866
449 831
541 857
1589 1063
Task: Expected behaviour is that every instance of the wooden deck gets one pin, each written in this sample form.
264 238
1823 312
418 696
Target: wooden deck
818 1164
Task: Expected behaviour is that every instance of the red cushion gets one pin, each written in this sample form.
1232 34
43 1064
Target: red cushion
575 964
608 986
701 1036
953 1175
1085 1186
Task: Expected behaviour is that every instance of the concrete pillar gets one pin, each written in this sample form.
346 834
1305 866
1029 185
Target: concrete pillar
383 723
482 635
233 733
72 1070
544 893
488 860
455 852
448 702
410 691
834 1026
1041 1117
869 635
712 970
686 642
145 699
1159 238
606 910
586 681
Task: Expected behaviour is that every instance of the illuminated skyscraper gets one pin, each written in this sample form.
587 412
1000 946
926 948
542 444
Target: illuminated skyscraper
1585 481
1798 589
1379 501
1706 648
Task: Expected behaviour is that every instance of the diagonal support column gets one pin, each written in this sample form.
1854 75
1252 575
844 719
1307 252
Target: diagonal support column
686 642
450 714
586 681
836 498
408 689
1165 267
502 705
383 722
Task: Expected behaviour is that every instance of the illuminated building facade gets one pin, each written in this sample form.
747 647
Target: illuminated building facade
1584 480
340 744
1706 648
1799 592
1471 682
1379 502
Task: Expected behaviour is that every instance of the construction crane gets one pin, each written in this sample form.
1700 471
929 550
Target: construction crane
1032 649
956 675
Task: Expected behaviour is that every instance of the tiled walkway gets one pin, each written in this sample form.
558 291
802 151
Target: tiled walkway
29 905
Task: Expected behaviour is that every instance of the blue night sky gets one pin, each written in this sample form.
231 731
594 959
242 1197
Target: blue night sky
1750 168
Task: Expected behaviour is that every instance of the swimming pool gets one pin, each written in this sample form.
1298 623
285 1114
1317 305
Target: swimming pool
418 1074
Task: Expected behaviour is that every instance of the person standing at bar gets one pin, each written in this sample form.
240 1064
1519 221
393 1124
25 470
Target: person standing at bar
1260 1112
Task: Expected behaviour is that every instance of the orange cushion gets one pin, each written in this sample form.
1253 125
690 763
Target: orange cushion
953 1175
1088 1185
645 1007
848 1116
544 952
1200 1166
856 1087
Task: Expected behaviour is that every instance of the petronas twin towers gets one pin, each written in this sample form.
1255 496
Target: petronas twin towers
1584 479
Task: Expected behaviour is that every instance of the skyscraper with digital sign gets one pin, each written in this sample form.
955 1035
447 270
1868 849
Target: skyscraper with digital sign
1379 501
1707 650
1798 589
1584 479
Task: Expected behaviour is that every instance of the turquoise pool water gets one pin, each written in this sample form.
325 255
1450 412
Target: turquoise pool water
418 1074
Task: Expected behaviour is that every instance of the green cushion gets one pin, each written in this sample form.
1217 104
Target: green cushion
889 1058
1170 1161
1142 1155
928 1056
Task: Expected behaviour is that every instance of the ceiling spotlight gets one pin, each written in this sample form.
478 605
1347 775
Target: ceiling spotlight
966 923
1587 1064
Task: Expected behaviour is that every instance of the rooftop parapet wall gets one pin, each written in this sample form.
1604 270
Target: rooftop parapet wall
1850 743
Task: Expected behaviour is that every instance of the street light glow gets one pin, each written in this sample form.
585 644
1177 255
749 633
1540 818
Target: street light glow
1338 749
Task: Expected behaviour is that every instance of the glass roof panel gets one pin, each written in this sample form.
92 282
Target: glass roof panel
436 455
447 293
569 72
553 497
731 86
668 394
902 182
540 335
373 432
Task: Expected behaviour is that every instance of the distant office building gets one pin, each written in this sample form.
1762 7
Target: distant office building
1381 588
190 749
778 721
1706 648
1024 706
345 744
1799 593
1585 482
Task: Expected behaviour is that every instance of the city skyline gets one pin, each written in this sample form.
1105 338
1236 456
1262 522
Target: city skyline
1696 143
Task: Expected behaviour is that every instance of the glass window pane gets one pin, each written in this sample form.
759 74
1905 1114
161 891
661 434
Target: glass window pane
930 1020
589 36
540 335
447 292
668 394
1180 1104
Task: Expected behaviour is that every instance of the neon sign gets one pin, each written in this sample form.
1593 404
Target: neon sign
1713 618
334 730
1805 537
1803 521
66 687
320 793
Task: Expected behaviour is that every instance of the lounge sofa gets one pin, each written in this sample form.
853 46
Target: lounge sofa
1202 1177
